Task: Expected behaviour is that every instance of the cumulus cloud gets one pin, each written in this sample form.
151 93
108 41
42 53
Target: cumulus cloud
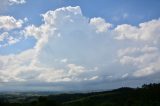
147 31
6 39
71 48
144 59
152 68
44 62
9 23
100 24
144 55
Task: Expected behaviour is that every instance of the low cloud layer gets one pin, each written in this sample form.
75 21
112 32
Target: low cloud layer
72 49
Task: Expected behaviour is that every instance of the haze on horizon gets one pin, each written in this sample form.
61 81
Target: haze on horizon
78 45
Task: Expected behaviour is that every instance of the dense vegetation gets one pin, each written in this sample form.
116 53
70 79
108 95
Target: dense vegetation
148 95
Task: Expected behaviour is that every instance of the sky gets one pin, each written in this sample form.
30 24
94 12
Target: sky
78 45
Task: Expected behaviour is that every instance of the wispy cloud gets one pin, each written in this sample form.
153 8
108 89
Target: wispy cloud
6 3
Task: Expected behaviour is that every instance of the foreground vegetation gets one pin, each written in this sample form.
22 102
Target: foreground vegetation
147 95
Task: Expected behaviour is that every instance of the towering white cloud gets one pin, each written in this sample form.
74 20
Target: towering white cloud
73 48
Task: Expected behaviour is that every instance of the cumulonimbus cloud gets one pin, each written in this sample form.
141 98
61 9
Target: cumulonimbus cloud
73 48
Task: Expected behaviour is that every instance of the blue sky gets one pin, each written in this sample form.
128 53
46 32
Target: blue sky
116 12
60 43
137 11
